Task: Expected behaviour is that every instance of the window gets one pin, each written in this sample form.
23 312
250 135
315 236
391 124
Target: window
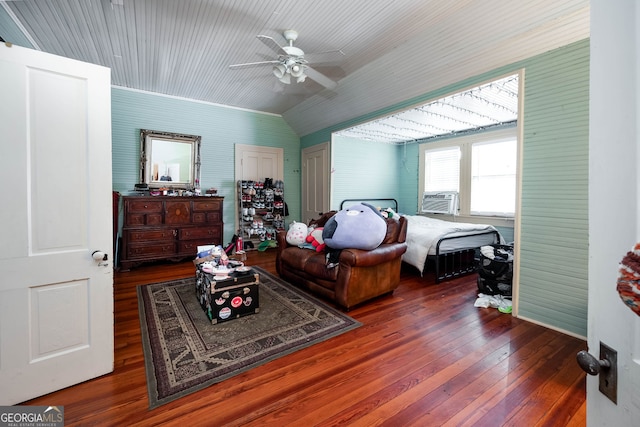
493 177
442 169
482 167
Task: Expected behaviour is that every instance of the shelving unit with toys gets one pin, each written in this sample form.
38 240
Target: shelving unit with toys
261 211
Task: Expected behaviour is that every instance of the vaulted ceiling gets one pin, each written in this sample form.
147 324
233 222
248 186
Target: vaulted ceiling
394 50
482 107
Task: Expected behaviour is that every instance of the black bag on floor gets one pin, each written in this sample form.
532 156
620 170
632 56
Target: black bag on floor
495 272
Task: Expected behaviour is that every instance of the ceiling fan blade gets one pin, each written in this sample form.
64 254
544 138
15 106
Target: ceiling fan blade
272 44
328 57
320 78
253 64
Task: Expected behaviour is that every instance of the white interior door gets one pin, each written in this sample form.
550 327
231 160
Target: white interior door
614 186
56 301
315 181
255 163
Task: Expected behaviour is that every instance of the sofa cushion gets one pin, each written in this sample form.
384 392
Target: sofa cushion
317 267
309 261
296 257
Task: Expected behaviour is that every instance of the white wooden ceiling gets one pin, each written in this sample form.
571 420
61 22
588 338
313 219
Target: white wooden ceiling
394 49
489 105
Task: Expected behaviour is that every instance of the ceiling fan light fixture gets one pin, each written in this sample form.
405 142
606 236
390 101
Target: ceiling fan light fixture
301 78
296 70
286 79
279 71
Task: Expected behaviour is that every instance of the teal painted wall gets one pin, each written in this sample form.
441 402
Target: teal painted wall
10 32
361 169
554 246
220 127
555 177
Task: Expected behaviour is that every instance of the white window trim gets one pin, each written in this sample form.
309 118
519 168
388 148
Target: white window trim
465 141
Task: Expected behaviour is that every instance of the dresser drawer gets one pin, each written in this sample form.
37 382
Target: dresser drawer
143 212
150 250
190 247
134 219
144 206
206 217
207 205
193 233
150 234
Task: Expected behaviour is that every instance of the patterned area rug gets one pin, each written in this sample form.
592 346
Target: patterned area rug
184 352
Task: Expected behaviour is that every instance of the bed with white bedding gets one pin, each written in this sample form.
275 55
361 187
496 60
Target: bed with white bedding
451 245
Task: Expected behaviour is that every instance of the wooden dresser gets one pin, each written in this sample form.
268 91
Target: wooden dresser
168 228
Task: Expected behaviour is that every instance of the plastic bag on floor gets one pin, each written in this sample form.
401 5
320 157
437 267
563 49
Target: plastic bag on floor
504 305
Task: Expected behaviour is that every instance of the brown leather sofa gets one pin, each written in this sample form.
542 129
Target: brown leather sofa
360 274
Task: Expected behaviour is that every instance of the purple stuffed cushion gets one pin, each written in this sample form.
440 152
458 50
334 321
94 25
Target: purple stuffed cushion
357 227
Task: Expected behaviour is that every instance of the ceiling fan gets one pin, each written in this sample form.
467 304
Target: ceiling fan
291 62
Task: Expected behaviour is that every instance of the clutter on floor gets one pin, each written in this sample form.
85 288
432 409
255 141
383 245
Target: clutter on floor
503 304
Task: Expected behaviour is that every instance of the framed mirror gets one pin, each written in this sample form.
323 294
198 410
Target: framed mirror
169 159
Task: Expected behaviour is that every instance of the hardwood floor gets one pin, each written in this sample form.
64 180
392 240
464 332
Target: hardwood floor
424 356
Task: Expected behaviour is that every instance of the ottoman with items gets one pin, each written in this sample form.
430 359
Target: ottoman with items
225 288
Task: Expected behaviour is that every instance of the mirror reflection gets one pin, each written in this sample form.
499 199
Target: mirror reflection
169 159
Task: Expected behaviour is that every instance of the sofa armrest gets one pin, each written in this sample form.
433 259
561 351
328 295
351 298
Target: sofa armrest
363 258
281 239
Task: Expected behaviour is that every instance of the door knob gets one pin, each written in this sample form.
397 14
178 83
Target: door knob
99 256
590 364
606 367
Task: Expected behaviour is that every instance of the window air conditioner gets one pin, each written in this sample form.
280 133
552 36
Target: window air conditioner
442 202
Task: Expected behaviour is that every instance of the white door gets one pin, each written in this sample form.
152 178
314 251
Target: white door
56 301
315 181
255 163
614 186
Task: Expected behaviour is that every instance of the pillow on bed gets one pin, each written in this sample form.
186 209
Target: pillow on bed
357 227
